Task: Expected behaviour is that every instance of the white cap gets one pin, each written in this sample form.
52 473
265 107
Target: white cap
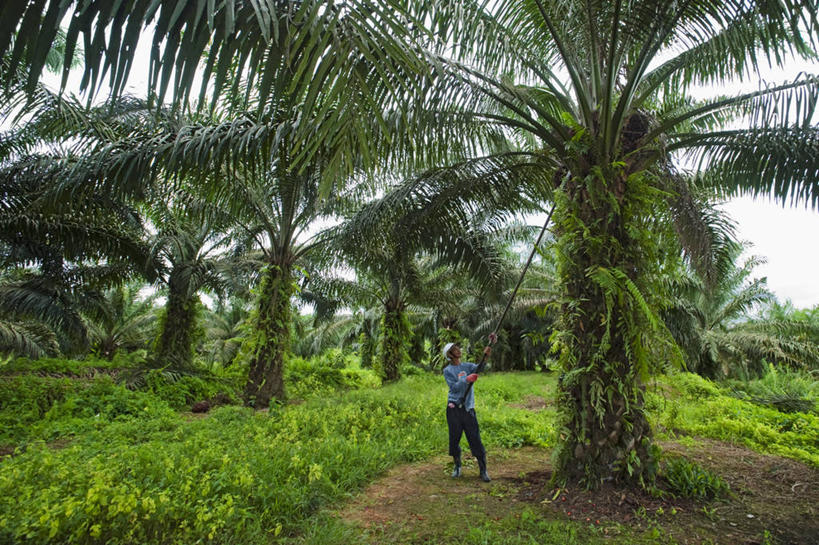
447 348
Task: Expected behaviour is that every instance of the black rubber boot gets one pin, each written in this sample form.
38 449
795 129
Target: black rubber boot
456 471
482 466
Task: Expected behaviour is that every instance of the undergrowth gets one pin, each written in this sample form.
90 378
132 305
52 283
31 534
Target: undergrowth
781 389
688 479
134 470
320 375
688 404
238 476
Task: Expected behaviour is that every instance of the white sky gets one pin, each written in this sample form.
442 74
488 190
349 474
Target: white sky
785 236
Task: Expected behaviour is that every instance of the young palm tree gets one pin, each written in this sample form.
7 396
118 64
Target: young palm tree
712 322
224 331
124 320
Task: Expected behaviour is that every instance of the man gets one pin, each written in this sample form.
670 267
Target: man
460 412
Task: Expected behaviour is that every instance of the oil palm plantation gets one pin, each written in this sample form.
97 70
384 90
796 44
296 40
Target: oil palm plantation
595 92
404 245
290 80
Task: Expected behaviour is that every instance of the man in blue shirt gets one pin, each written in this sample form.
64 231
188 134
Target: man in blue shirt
460 416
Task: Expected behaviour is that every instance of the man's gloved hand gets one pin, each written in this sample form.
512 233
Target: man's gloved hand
472 378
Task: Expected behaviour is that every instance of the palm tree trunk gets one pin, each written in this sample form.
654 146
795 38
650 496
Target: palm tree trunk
174 347
270 338
367 350
606 436
395 339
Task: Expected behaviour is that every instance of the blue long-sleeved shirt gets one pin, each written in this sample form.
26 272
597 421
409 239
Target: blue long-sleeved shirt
455 376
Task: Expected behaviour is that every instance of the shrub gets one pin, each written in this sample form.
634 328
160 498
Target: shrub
690 480
783 389
180 390
695 387
326 373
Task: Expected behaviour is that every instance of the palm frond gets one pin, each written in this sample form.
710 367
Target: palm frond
27 338
781 163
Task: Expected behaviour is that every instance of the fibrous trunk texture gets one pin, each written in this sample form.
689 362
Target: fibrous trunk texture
271 339
174 348
395 340
604 432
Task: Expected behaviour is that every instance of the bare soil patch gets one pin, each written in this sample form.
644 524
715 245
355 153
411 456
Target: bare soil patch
773 500
770 493
532 403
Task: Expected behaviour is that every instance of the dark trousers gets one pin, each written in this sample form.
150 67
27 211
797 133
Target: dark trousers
464 421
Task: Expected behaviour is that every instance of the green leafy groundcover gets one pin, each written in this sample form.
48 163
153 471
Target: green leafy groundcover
129 469
237 476
695 406
51 407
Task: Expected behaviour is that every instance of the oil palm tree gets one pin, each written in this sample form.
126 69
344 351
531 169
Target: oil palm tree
261 57
65 251
716 326
24 328
124 320
193 254
70 247
276 215
602 89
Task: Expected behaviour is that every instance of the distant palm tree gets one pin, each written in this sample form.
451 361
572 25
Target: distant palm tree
225 328
124 320
715 325
192 253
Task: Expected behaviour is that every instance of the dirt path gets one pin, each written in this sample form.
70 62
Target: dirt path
774 501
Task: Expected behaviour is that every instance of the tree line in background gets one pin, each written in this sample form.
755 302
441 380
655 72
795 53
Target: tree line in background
347 156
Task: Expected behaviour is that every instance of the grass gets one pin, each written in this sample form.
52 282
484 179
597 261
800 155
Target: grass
130 469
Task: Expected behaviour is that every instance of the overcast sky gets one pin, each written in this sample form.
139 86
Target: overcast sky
786 237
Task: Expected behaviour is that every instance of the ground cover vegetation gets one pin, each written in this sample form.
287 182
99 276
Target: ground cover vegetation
350 191
92 461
